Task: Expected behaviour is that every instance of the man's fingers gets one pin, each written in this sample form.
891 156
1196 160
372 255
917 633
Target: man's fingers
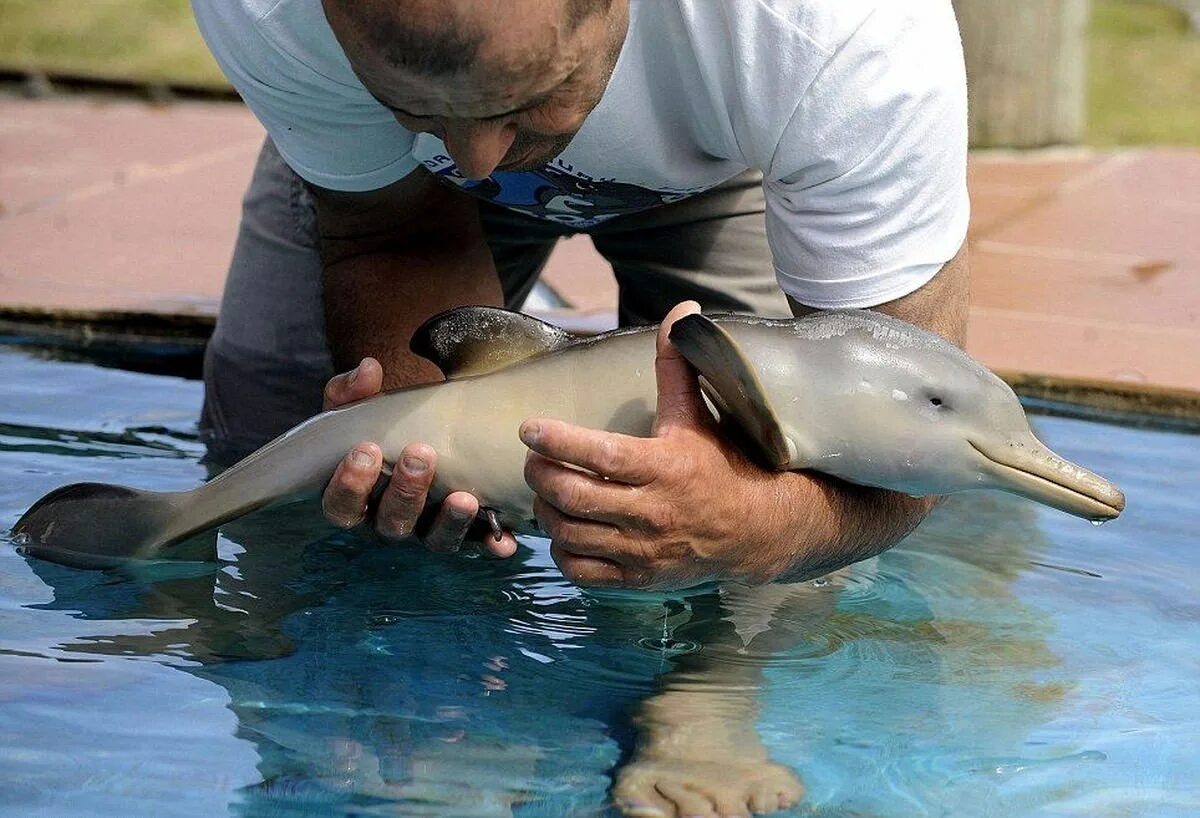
579 494
607 454
583 538
452 522
587 571
346 497
680 402
363 381
404 497
502 548
344 501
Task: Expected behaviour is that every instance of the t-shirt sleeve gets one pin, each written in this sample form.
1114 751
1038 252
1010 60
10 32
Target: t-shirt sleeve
287 66
866 194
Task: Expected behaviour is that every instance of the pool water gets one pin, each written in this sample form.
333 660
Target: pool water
1005 660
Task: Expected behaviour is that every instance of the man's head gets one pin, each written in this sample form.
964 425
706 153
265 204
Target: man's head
505 84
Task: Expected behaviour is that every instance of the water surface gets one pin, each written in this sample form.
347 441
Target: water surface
1006 660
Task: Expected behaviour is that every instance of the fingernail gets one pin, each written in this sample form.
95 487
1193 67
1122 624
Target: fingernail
362 458
414 465
530 433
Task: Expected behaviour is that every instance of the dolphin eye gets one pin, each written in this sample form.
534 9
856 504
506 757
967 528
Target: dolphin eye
934 400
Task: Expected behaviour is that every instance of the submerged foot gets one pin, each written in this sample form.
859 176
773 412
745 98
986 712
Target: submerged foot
711 788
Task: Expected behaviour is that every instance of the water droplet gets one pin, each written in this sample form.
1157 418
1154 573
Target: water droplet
675 647
1098 523
20 540
1128 375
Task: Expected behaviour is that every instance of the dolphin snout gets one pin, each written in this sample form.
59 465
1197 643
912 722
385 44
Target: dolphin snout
1028 468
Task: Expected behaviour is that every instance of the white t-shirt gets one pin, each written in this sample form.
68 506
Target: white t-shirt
854 110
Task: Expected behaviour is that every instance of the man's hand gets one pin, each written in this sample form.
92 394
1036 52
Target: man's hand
682 507
687 506
346 498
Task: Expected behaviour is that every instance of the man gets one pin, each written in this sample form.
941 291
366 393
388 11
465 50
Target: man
432 151
426 154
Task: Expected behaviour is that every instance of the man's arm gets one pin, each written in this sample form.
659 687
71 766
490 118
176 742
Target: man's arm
394 257
940 306
686 506
875 519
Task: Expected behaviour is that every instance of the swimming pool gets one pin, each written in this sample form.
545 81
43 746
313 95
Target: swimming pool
1005 660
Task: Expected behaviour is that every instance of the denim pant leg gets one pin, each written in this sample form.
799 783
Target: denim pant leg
267 362
711 247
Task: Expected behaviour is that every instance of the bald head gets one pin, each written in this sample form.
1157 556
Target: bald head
441 37
504 83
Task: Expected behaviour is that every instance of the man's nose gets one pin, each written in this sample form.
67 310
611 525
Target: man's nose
478 147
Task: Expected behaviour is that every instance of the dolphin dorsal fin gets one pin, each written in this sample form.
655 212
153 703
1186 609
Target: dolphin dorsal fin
733 385
476 340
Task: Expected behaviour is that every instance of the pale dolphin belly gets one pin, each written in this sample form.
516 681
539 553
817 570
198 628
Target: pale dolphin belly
473 423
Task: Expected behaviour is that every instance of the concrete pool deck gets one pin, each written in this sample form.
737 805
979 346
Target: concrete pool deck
1086 263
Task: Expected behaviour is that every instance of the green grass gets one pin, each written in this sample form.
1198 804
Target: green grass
1144 81
1144 76
150 40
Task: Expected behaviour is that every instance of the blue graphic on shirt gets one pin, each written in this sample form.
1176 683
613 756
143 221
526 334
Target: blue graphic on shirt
557 192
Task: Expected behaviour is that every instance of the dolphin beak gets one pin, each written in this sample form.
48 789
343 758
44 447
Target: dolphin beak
1026 467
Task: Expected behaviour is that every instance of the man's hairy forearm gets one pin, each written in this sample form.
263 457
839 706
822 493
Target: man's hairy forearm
393 258
868 521
374 302
862 522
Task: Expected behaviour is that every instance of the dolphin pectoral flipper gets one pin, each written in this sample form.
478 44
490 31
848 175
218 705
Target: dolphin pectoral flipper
476 340
734 385
493 522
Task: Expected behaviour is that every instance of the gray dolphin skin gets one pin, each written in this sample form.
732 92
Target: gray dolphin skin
854 394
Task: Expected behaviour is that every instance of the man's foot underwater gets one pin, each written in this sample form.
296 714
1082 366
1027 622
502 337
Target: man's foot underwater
729 778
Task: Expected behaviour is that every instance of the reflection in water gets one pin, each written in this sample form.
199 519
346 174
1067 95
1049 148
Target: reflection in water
1003 656
409 683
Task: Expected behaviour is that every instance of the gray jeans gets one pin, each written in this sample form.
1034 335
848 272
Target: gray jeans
267 363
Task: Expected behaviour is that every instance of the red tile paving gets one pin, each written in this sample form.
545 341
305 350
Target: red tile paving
1097 274
115 206
1086 265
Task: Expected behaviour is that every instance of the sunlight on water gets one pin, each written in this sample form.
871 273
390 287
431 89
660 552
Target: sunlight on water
1005 660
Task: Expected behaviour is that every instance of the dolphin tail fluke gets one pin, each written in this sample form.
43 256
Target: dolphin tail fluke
97 525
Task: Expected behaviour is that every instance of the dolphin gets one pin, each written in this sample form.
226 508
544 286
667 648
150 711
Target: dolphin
854 394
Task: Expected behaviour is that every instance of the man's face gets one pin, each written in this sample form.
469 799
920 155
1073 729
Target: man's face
524 98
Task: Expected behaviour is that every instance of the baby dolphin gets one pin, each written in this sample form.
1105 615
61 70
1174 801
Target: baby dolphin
854 394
